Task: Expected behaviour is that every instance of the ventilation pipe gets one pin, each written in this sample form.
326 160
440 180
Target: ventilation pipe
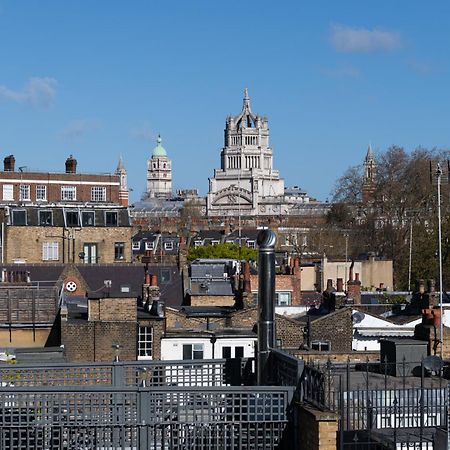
266 306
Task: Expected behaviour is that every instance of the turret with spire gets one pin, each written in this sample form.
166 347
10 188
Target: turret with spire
369 180
123 187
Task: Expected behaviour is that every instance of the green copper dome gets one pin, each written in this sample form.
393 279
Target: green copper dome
159 150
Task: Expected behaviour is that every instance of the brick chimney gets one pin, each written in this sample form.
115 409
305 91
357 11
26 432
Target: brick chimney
71 165
354 289
9 163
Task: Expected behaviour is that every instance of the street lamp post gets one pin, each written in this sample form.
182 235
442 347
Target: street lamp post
346 260
439 175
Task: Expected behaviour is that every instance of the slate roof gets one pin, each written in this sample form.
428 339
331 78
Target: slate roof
132 275
169 280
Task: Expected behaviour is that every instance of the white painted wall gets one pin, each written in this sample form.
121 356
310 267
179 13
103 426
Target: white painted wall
172 348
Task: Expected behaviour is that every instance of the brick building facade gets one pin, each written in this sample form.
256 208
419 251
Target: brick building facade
55 187
64 217
44 235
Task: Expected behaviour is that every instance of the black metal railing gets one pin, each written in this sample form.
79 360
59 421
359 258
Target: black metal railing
216 372
142 417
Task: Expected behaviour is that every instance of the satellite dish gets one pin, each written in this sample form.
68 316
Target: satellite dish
433 363
358 316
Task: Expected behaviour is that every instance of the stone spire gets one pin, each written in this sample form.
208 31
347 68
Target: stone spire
369 155
120 166
246 106
370 168
123 187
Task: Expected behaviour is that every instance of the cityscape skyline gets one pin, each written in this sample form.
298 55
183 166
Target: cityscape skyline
100 81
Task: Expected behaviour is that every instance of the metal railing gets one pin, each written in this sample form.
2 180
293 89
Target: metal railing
138 418
375 408
217 372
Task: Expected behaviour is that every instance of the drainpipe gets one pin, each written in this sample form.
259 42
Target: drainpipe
266 307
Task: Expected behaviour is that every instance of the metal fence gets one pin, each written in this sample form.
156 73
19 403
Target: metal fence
141 418
218 372
378 410
143 405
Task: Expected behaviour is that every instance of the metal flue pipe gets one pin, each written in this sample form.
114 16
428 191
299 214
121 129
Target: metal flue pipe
266 305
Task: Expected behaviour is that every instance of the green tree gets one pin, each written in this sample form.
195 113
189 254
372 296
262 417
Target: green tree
225 250
403 195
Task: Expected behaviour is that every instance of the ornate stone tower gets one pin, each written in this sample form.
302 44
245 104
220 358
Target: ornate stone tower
246 182
123 189
159 173
370 172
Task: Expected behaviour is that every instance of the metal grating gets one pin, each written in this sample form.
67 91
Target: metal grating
160 418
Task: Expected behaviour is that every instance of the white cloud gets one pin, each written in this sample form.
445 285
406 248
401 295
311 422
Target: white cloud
143 133
79 127
39 93
352 40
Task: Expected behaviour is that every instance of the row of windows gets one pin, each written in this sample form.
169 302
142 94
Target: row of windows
71 218
68 193
50 252
196 351
151 245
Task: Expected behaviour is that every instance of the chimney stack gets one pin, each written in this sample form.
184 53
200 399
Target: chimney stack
266 295
9 163
71 165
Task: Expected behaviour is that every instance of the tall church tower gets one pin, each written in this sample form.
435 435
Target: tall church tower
159 173
123 187
370 172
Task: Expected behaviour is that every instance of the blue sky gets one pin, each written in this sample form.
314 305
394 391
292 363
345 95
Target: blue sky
97 79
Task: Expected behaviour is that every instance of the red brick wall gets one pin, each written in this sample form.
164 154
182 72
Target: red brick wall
283 283
83 194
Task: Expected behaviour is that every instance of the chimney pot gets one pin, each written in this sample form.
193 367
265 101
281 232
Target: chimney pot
9 163
340 285
71 165
154 280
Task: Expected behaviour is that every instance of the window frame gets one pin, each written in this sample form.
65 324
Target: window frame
145 342
68 193
168 245
149 245
9 190
116 224
196 353
319 344
24 188
136 245
83 213
119 251
95 191
14 212
45 224
39 189
67 221
50 251
277 298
